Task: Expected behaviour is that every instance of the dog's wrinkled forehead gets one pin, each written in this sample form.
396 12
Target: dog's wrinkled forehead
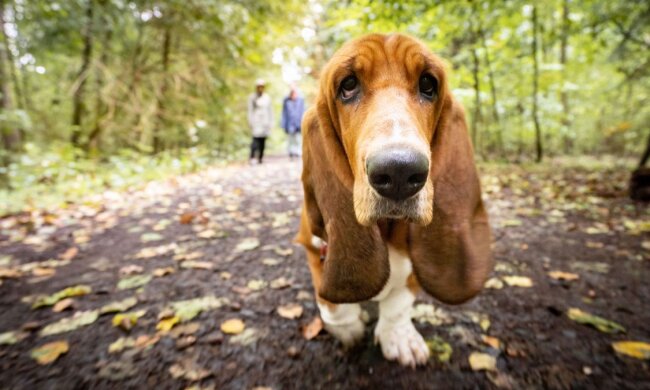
393 60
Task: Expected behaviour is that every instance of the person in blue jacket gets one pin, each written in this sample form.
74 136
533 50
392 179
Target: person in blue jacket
293 107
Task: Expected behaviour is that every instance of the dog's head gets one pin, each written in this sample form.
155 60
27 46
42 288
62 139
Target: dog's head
383 97
387 140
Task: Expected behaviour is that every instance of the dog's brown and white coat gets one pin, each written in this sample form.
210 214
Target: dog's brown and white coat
392 196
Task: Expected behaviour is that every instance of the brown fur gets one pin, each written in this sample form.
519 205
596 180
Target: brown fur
449 247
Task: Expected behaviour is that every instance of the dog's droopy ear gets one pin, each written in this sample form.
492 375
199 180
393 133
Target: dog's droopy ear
356 265
451 256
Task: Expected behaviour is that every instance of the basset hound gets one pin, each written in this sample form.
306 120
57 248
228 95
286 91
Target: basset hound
392 196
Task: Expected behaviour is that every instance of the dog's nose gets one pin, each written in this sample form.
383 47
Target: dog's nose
397 173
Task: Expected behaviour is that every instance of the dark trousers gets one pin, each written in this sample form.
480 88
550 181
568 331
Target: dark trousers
258 146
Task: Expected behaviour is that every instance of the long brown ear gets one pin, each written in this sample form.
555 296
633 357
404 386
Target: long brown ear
356 267
451 256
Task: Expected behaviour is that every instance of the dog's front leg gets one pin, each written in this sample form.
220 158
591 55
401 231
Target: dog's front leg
395 331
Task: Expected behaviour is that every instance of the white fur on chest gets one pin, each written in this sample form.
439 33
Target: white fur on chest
400 269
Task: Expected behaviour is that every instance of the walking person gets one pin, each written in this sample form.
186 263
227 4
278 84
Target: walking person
260 119
293 107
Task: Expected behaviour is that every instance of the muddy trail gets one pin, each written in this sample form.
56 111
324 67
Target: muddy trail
136 290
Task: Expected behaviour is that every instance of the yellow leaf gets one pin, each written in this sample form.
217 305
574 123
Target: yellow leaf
127 321
599 323
290 311
49 352
166 324
233 326
491 341
518 281
635 349
482 361
560 275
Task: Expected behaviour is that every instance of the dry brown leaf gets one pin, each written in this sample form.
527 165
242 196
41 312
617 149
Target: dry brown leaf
491 341
65 304
187 218
42 271
233 326
312 329
47 353
160 272
290 311
69 254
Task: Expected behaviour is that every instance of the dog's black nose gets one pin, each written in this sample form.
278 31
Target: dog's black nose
397 173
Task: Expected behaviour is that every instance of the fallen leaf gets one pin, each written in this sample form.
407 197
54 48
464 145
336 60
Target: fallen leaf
188 370
439 348
73 291
601 268
560 275
635 349
121 344
48 353
131 269
133 282
290 311
186 218
116 307
197 265
160 272
599 323
11 337
63 305
518 281
79 319
256 284
247 337
10 273
69 254
424 312
42 271
149 237
186 310
185 329
233 326
494 283
482 362
491 341
166 324
118 370
270 261
127 321
247 244
210 233
280 283
312 329
283 252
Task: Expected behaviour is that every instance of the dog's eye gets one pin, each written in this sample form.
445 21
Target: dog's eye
428 86
349 87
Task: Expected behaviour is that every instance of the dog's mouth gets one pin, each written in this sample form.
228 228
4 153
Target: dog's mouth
369 206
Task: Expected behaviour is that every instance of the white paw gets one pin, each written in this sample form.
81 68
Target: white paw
402 343
348 334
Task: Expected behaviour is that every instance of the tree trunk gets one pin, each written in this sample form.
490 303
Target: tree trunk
538 133
493 92
564 97
10 135
160 115
476 118
78 109
100 107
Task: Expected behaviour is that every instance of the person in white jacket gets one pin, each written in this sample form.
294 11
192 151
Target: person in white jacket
260 119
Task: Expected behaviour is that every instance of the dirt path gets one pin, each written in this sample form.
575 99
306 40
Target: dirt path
224 236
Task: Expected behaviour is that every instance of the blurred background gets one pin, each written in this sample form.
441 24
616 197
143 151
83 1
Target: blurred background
103 93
